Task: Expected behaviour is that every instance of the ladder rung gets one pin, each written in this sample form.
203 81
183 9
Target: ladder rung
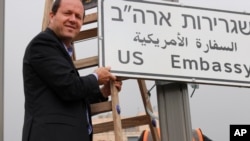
126 123
90 18
85 34
101 107
86 63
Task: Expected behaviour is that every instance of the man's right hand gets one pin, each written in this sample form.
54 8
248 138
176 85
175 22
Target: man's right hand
104 75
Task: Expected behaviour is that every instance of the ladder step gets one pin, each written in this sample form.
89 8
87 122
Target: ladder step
101 107
90 18
126 123
86 63
85 34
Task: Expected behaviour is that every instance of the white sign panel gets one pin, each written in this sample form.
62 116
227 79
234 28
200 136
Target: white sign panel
166 41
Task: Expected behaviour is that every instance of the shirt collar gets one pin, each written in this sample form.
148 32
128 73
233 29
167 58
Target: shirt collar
69 49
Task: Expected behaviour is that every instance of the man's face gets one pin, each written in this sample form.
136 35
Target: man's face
67 22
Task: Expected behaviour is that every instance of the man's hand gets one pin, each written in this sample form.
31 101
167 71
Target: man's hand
106 88
104 75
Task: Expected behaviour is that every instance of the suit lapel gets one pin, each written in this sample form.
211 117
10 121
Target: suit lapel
61 47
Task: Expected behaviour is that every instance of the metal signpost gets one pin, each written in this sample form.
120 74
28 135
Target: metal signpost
2 7
168 42
174 110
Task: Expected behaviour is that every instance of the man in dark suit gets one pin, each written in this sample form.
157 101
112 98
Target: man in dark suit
56 98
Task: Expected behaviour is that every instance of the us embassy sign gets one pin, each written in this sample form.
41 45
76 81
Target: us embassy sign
166 41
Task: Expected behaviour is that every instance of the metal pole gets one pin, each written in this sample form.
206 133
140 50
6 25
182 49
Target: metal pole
174 110
2 9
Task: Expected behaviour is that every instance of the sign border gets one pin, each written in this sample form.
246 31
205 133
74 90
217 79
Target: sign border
152 76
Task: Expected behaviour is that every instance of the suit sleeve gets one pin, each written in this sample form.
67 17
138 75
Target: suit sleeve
95 98
57 71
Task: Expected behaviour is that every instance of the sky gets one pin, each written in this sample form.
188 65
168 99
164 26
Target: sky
213 108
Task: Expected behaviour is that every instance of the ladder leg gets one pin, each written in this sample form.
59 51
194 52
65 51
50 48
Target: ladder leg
47 8
147 105
116 113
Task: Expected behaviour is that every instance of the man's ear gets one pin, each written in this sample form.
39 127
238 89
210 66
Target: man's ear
51 15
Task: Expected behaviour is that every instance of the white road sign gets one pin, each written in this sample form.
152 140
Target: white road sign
166 41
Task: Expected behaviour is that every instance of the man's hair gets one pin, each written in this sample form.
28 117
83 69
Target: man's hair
56 5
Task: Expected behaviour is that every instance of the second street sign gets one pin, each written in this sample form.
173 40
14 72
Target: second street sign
166 41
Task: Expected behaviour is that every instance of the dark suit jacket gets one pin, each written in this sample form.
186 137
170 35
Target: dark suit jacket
56 97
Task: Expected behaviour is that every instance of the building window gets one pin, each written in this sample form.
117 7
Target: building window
132 129
133 138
